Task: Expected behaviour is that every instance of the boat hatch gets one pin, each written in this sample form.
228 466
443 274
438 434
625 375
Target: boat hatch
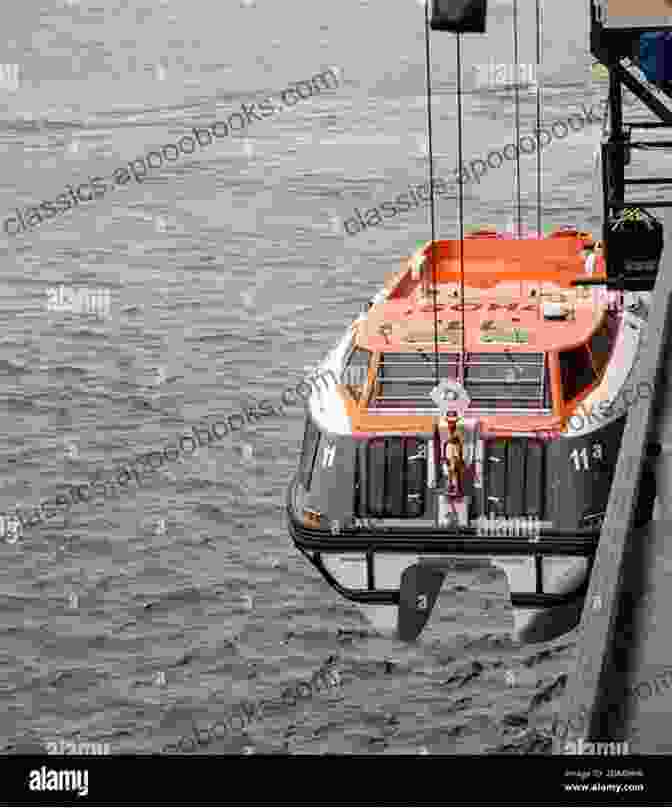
493 381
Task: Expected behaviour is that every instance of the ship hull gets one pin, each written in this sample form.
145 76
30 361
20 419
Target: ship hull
366 507
547 569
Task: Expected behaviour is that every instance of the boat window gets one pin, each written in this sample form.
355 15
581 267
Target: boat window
356 372
576 371
311 440
493 381
407 379
599 349
505 380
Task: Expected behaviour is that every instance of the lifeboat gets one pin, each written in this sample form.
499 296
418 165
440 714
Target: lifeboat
472 410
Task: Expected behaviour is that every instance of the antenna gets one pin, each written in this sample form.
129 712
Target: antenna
460 197
516 90
460 202
538 78
465 16
432 214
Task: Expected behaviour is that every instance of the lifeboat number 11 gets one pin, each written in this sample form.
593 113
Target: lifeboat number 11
328 456
582 457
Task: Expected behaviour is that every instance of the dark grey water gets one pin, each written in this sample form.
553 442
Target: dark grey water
229 273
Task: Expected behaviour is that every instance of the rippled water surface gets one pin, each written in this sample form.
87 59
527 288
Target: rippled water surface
229 272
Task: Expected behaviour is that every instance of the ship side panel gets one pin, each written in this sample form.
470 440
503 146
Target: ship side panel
361 479
333 480
416 477
495 478
579 475
383 477
534 479
515 478
376 470
395 475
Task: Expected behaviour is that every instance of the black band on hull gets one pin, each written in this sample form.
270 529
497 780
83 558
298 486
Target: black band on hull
467 541
313 542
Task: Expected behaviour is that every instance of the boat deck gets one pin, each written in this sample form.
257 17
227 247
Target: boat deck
507 284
